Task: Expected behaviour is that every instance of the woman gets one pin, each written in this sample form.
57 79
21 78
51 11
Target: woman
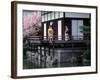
66 33
50 33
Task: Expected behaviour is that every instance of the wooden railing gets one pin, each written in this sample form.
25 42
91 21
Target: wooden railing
69 37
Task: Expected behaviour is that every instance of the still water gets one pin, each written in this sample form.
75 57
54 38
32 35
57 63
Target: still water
61 57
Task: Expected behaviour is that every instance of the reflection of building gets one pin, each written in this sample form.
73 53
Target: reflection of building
60 19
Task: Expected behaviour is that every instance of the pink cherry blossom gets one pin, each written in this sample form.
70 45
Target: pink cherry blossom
31 20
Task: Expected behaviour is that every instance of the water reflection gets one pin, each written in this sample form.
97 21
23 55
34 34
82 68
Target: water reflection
61 57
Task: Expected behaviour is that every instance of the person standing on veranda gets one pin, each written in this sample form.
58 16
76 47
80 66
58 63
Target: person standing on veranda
50 33
66 33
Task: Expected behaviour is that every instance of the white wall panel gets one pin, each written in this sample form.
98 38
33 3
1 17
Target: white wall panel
76 34
59 30
45 32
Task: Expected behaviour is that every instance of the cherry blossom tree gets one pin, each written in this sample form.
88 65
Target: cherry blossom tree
31 23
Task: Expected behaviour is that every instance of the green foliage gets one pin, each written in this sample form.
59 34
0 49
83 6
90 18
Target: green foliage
85 29
87 32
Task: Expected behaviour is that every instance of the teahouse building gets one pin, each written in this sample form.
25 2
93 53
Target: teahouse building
59 21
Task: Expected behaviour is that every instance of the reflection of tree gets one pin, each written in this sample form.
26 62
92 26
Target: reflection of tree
32 23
